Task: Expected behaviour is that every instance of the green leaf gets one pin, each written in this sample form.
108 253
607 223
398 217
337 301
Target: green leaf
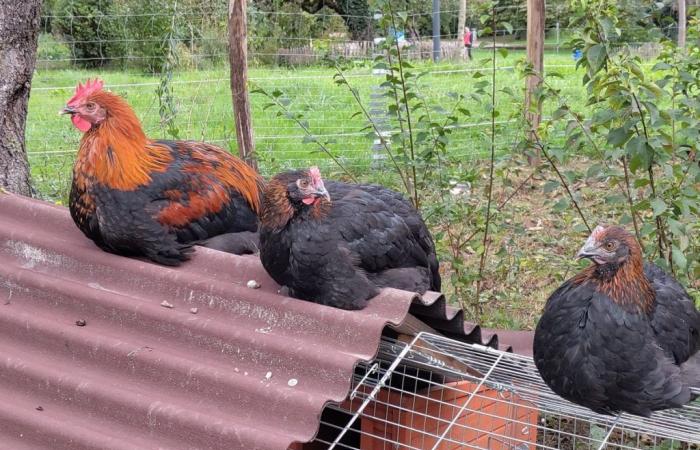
641 182
503 52
679 258
637 71
561 205
594 170
658 206
618 136
596 56
550 186
640 156
560 112
661 66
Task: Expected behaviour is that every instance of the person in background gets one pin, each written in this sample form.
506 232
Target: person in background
468 43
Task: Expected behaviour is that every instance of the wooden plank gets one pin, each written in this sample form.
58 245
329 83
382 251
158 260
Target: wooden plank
238 59
535 56
410 327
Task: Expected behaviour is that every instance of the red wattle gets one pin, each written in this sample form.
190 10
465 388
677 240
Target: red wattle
80 123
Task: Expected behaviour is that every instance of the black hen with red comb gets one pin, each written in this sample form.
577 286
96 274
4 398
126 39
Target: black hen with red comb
621 336
337 244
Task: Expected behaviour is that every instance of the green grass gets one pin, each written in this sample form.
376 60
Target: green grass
203 103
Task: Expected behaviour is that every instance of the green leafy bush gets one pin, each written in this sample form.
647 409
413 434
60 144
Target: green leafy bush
641 126
147 28
90 30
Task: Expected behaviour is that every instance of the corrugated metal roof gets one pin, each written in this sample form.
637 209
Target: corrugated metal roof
102 351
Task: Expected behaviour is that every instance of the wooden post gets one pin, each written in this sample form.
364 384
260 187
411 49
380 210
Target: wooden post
436 30
535 56
238 60
682 21
19 31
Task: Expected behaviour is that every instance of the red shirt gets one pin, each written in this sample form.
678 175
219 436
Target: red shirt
468 38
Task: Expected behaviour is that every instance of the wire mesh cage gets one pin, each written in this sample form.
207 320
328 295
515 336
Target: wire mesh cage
436 393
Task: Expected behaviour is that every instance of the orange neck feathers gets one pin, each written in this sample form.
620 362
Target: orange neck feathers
277 210
117 152
625 283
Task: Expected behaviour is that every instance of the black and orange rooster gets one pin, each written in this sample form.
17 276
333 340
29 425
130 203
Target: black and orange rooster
622 335
337 244
135 196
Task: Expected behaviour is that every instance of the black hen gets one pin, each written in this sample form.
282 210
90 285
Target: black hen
622 335
340 253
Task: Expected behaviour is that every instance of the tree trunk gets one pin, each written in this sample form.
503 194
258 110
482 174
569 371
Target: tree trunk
461 19
682 20
535 56
19 31
238 59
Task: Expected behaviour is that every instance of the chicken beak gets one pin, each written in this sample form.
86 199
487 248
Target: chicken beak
589 249
322 192
67 110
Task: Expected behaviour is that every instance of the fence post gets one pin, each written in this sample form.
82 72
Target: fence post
378 105
436 30
535 56
238 60
682 20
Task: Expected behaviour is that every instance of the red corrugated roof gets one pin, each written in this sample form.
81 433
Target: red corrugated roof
92 359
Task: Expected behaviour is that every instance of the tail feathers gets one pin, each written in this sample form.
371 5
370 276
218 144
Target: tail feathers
242 243
413 279
172 255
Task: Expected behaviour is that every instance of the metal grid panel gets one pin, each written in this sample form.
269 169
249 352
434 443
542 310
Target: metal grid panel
436 393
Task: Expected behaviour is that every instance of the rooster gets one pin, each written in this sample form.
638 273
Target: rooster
622 335
136 196
341 252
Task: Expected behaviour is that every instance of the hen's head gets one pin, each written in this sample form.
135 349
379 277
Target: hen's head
302 187
611 245
85 111
90 106
290 193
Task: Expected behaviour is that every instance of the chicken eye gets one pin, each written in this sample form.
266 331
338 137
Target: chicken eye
610 245
90 106
303 184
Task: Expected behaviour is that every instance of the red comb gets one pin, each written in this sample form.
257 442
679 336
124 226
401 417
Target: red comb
315 175
83 90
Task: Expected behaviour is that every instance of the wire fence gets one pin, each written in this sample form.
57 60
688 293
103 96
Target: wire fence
137 49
